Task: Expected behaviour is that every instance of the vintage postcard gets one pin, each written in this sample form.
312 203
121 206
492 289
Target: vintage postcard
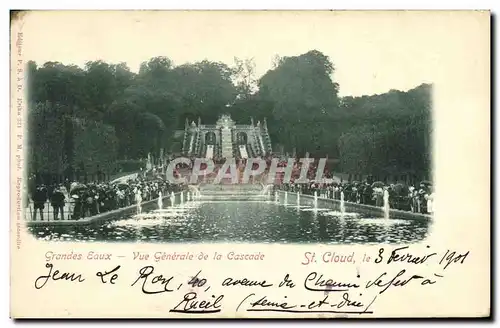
250 164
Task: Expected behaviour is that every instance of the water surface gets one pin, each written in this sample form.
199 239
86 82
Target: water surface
240 221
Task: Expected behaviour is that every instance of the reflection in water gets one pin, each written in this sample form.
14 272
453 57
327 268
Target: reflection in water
244 222
322 229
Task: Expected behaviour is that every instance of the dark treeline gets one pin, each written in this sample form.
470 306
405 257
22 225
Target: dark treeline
86 119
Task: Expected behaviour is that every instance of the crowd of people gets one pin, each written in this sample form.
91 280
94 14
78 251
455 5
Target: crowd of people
417 199
78 200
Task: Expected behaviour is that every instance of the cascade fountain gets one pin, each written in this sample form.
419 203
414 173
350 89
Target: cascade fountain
315 200
286 198
182 197
276 197
386 204
172 198
298 199
160 200
188 196
342 204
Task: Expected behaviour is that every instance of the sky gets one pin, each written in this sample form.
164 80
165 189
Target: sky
372 52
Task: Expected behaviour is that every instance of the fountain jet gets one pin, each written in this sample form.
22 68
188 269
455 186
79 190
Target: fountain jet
342 203
172 198
386 204
160 200
138 199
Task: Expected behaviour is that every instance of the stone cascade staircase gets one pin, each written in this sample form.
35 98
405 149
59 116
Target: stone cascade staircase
257 147
226 143
197 144
217 151
236 151
266 139
242 150
185 141
251 151
193 143
240 192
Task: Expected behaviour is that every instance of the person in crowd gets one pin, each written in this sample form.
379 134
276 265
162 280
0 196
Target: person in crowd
378 195
92 201
39 198
77 207
413 203
120 194
368 194
57 200
421 200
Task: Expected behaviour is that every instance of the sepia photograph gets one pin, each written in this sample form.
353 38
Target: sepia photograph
264 144
250 164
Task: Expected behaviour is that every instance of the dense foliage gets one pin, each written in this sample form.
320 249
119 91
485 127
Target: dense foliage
87 119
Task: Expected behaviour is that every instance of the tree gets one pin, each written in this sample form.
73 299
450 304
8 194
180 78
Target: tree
304 99
103 84
95 148
388 134
244 78
46 132
204 89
